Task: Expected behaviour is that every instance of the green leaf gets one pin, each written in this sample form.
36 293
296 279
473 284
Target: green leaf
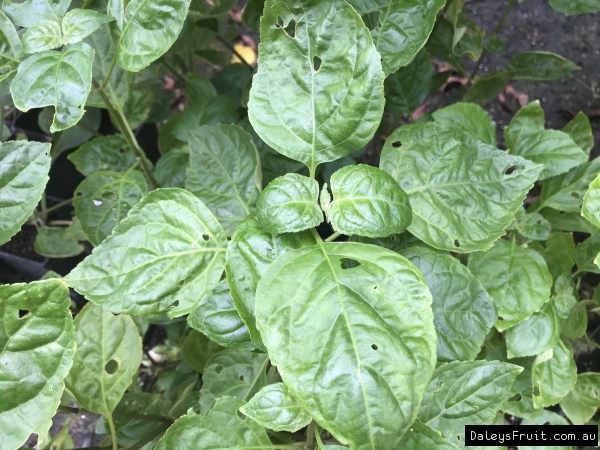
231 81
580 131
221 428
402 28
368 202
554 374
74 231
137 107
109 353
80 23
564 294
233 373
462 393
462 192
11 51
591 202
36 353
210 8
440 44
171 168
224 172
559 254
29 12
586 252
486 88
252 14
250 252
149 29
539 66
582 402
468 37
42 36
521 399
330 72
289 204
52 243
103 199
495 45
216 317
74 136
533 226
132 270
106 153
274 408
575 6
197 350
516 278
529 120
372 339
409 86
575 325
61 79
536 334
565 192
463 312
563 221
419 437
24 168
131 429
470 119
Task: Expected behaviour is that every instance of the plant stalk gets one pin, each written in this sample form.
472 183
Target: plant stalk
333 237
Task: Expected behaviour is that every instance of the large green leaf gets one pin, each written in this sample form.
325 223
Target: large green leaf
409 86
109 353
420 437
539 66
11 51
289 204
61 79
463 312
317 96
536 334
36 353
24 168
274 408
250 252
148 30
221 429
581 403
110 153
217 318
80 23
224 172
133 270
462 393
580 131
233 373
554 374
52 243
516 278
575 6
368 202
363 371
470 119
591 202
29 12
461 190
43 36
103 199
402 27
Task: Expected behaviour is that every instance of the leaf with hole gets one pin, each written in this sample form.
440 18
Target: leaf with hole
421 436
317 96
533 226
372 340
131 271
36 353
103 199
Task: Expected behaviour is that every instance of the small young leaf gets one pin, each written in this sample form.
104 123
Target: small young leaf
289 204
591 202
516 278
61 79
374 318
533 226
463 312
539 66
103 199
580 131
197 350
554 374
107 153
235 373
36 353
470 119
409 86
419 437
338 100
224 172
536 334
23 177
581 403
80 23
564 295
528 120
41 37
274 408
52 243
575 325
461 393
575 6
221 428
495 45
216 317
440 44
109 353
468 37
132 270
171 168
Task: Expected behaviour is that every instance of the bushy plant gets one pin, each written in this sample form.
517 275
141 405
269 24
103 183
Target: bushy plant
309 301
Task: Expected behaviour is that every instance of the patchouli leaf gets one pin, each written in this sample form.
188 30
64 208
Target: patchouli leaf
580 131
533 226
591 202
274 408
409 86
554 374
539 66
160 259
52 243
575 6
80 23
469 118
29 12
170 169
43 36
24 168
197 350
463 312
11 51
420 437
586 252
36 353
536 334
317 96
581 403
106 153
372 340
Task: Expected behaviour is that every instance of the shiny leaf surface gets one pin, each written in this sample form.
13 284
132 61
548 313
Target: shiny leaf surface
581 403
591 202
43 36
554 374
52 243
409 86
536 334
80 23
539 66
106 153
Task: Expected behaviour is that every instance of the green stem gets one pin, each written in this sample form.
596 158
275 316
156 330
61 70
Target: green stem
110 71
69 410
47 210
320 444
316 235
234 51
123 126
310 436
113 431
333 237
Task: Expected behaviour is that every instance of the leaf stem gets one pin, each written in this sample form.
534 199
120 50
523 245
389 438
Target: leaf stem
316 235
113 431
123 126
109 73
333 237
310 436
47 210
70 410
234 51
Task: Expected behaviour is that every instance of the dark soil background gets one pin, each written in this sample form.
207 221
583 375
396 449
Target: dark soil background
533 25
